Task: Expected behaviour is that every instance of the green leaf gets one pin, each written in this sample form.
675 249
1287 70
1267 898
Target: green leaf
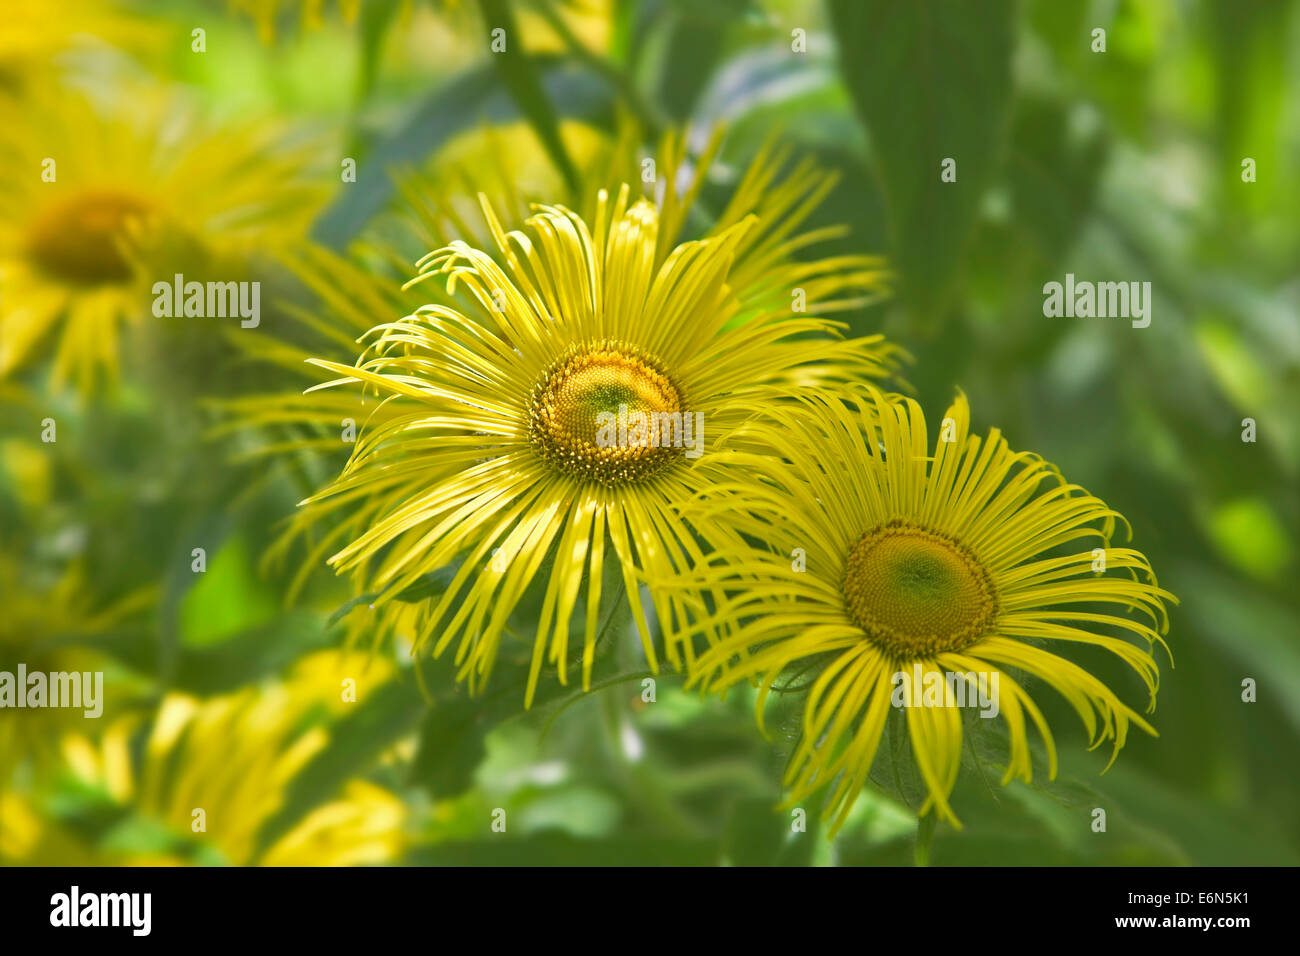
1247 623
766 90
204 529
1049 822
691 48
451 746
429 585
376 17
931 81
226 599
1209 833
1053 170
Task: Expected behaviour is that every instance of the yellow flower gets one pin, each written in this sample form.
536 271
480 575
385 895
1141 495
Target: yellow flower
964 562
211 774
491 450
95 208
43 610
35 33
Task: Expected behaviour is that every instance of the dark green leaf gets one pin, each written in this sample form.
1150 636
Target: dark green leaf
451 746
242 659
931 81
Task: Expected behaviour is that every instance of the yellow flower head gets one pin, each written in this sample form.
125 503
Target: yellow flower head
43 609
500 445
885 558
35 34
234 758
95 207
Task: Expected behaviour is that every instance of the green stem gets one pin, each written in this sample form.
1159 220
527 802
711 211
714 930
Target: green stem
925 827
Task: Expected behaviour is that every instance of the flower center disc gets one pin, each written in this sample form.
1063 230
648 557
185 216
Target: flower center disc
592 413
917 593
77 239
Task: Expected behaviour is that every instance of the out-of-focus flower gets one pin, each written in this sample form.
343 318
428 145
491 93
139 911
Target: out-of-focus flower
585 21
35 34
96 208
211 775
45 626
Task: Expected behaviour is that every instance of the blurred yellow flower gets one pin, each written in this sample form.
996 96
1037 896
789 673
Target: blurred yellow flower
42 617
100 205
34 33
212 773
